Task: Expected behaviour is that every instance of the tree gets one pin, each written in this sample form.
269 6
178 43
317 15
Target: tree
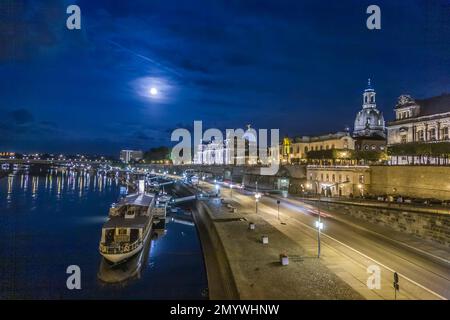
157 154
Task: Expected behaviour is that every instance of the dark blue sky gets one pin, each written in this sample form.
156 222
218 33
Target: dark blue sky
300 66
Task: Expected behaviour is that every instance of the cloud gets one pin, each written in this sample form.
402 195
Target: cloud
20 116
30 25
20 124
141 135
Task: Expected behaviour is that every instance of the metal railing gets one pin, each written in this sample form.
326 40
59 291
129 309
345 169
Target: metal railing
119 249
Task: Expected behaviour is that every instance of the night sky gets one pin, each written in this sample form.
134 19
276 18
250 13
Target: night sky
300 66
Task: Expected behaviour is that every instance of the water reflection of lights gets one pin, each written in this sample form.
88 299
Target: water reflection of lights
58 186
34 186
10 186
58 183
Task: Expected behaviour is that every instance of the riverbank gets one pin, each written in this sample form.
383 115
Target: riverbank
221 285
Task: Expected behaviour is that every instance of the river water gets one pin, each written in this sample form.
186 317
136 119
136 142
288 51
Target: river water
52 220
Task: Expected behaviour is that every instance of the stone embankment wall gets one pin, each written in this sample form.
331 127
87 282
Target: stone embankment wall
408 181
411 181
429 226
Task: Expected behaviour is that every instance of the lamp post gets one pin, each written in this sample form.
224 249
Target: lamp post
231 185
319 226
217 190
278 205
257 196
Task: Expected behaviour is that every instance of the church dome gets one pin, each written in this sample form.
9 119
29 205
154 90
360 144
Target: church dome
369 121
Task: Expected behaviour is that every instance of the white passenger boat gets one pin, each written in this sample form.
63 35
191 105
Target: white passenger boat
128 227
160 208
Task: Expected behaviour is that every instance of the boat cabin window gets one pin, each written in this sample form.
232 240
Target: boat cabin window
122 231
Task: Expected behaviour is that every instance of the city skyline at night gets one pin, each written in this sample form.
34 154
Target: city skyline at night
296 66
225 158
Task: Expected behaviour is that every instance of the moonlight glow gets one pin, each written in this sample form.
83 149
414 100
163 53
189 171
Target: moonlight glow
153 91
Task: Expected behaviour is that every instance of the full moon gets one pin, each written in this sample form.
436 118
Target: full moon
153 91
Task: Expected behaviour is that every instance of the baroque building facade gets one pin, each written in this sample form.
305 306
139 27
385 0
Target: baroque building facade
233 150
369 134
295 150
425 120
419 121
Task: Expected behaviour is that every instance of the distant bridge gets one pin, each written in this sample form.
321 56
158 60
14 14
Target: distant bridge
53 162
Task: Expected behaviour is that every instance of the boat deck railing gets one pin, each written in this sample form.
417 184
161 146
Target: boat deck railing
119 249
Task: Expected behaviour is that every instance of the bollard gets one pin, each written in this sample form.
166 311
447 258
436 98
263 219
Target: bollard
251 226
284 259
265 239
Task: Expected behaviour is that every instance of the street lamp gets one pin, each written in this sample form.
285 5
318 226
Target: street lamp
319 226
278 205
231 186
217 189
257 196
361 189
